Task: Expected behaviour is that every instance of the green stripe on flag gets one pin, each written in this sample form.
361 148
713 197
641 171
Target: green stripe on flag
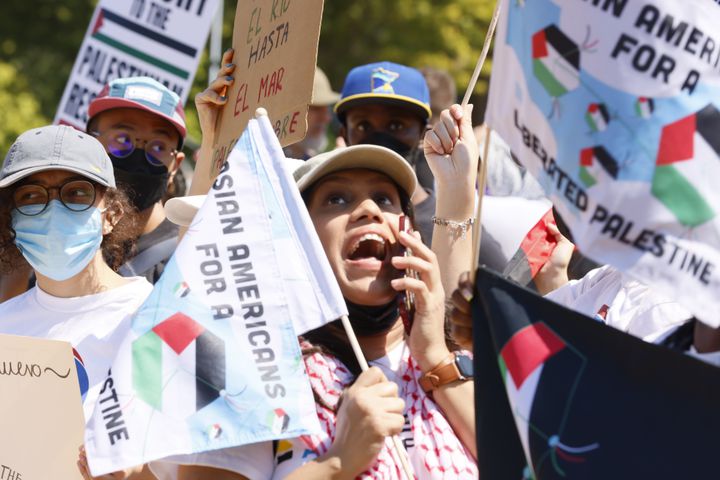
586 178
147 369
680 197
503 368
548 80
141 55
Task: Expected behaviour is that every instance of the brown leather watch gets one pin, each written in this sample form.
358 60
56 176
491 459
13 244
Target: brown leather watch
456 367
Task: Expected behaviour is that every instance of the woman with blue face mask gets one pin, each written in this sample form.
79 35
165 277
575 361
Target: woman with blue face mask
61 213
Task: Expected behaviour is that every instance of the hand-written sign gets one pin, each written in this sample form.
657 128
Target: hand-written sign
42 410
128 38
7 473
275 43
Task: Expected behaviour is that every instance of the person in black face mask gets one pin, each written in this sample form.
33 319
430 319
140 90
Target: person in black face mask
141 124
388 104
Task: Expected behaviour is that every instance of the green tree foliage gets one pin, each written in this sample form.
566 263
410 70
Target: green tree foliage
19 108
445 34
39 40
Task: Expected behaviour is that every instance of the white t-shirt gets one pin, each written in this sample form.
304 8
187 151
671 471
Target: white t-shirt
95 325
608 295
267 461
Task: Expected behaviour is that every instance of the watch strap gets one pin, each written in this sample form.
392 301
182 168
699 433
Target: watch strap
442 374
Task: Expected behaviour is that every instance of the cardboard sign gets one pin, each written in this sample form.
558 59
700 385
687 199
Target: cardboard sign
275 43
42 417
162 40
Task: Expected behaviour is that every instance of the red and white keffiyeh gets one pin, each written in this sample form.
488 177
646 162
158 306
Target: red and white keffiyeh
437 453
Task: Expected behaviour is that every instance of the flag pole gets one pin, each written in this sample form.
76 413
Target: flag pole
482 176
483 53
482 181
399 449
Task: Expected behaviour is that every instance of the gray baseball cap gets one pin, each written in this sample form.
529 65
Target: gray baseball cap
57 147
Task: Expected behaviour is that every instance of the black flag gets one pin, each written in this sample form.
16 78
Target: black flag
581 400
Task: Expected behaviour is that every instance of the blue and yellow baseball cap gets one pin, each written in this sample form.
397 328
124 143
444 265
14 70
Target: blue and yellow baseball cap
386 83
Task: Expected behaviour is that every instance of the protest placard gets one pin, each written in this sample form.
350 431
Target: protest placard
42 416
212 359
275 43
158 39
559 395
614 107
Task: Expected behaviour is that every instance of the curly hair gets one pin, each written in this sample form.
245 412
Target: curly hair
114 245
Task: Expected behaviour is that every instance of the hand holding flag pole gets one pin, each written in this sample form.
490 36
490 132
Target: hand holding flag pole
399 449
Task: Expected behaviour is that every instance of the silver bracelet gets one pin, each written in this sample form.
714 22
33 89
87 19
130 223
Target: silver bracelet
457 229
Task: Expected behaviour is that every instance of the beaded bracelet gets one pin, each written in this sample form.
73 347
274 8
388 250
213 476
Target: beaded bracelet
457 229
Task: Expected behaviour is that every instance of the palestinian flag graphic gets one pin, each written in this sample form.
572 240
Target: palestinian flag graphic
688 167
176 353
117 31
576 399
535 250
644 107
597 117
278 420
528 351
556 61
596 165
181 290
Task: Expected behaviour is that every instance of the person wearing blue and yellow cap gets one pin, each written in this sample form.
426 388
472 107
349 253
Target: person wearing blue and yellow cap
388 104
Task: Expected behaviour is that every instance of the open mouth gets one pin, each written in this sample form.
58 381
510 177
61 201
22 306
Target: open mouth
369 246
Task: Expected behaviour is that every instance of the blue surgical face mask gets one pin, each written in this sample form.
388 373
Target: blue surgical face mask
58 243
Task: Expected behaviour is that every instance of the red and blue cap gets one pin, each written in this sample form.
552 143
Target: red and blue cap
385 83
143 93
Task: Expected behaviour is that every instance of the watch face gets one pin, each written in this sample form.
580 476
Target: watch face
465 365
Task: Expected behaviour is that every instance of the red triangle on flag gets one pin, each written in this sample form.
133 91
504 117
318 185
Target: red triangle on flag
98 23
528 348
677 141
539 45
178 331
586 157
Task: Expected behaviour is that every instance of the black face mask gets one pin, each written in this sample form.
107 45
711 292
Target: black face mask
145 184
383 139
388 141
372 320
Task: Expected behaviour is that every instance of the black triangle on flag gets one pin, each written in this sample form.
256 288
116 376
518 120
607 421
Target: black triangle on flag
584 400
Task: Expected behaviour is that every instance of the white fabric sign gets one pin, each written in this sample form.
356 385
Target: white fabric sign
128 38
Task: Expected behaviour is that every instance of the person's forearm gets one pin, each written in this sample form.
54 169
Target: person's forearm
201 472
203 177
454 253
204 174
457 401
328 466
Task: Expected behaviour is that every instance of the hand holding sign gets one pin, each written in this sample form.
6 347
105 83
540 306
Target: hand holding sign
275 45
210 102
